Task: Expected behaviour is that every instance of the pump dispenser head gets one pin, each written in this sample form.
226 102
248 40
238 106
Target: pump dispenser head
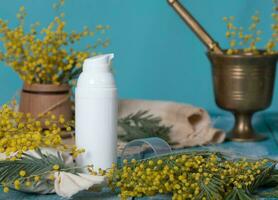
100 63
97 73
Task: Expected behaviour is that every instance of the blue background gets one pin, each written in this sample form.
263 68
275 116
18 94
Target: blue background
157 56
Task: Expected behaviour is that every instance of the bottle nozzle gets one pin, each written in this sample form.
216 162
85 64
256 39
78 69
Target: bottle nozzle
111 56
98 63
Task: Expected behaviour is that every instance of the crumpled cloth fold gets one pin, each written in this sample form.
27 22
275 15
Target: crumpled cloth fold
192 126
67 184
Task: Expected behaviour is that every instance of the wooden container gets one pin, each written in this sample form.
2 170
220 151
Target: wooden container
42 98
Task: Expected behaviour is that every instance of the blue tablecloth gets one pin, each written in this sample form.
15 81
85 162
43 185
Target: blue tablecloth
264 123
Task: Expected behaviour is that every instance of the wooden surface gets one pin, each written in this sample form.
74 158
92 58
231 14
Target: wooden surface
264 123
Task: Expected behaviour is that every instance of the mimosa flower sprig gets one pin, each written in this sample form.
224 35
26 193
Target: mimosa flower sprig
188 175
240 38
196 175
46 56
21 132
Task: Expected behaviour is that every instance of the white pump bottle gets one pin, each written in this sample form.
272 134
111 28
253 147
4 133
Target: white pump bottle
96 113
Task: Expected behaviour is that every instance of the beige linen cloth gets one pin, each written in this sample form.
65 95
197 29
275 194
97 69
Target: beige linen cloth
192 126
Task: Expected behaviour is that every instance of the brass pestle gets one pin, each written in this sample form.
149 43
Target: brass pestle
211 44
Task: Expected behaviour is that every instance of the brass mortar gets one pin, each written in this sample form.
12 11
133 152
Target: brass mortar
243 85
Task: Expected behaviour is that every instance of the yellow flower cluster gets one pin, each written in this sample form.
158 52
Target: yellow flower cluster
21 132
247 40
46 56
272 43
185 176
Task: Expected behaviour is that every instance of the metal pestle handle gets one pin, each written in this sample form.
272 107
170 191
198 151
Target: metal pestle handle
195 26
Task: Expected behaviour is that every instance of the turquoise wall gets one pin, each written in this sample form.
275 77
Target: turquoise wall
157 57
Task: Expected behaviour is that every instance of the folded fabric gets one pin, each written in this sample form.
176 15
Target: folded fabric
67 184
192 126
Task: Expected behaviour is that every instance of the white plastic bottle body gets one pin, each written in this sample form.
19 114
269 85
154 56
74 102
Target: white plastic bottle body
96 109
96 126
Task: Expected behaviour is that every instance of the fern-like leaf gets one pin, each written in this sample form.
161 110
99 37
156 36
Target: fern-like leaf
239 194
262 178
143 125
33 166
212 190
